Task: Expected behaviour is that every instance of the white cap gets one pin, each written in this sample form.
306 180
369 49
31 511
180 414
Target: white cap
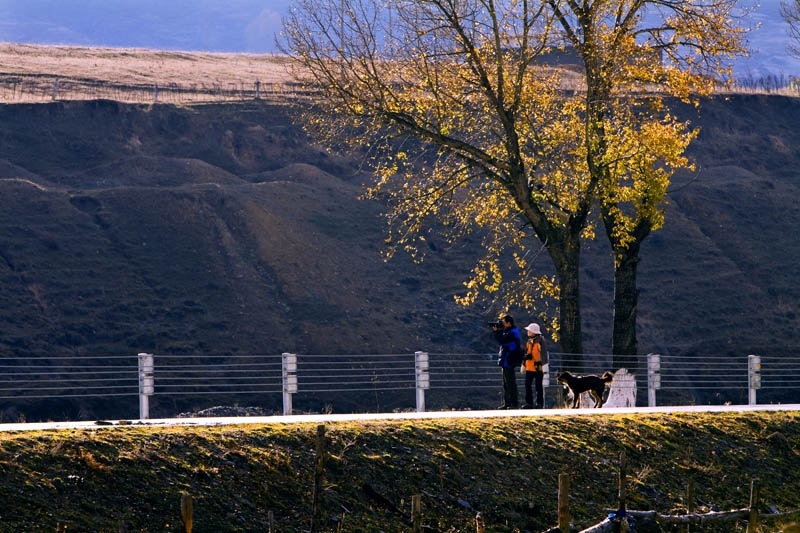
533 328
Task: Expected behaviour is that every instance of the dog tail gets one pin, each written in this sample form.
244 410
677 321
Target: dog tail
607 377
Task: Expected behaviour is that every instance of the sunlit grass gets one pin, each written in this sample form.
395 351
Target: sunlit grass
505 468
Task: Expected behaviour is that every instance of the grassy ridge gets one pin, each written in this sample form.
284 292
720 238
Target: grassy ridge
507 469
36 73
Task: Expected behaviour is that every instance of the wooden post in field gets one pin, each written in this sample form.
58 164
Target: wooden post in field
689 503
416 512
271 522
624 527
622 493
563 503
187 512
753 523
319 475
480 526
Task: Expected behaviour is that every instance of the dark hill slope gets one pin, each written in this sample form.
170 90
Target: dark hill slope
738 277
221 229
214 230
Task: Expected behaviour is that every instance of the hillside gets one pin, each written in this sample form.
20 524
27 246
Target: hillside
221 229
132 478
216 229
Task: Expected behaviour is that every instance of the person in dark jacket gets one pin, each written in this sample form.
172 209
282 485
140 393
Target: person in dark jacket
511 351
533 366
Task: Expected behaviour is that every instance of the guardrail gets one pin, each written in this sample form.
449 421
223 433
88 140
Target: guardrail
371 383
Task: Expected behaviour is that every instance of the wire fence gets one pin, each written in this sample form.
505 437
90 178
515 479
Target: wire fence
38 88
30 88
81 387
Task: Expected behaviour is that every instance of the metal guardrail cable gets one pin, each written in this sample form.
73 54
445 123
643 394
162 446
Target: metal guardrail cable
472 387
62 396
201 369
214 394
39 375
376 382
207 386
367 389
132 387
51 369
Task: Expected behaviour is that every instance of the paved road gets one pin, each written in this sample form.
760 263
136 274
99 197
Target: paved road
36 426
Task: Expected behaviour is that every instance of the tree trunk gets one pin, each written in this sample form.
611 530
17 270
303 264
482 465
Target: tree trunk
566 258
624 345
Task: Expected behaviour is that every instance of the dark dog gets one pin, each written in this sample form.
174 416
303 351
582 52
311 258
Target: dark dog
594 385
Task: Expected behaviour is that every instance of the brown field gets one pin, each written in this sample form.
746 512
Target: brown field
31 73
38 73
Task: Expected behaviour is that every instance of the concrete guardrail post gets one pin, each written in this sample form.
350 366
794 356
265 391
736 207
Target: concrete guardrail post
753 378
146 384
423 378
289 370
653 377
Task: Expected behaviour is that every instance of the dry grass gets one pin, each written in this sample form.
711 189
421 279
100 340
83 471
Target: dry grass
131 478
136 65
36 73
28 74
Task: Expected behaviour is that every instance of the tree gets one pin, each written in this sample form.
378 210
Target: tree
468 127
634 52
471 127
639 169
790 10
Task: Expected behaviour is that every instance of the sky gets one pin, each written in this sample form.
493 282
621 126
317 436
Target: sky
252 26
190 25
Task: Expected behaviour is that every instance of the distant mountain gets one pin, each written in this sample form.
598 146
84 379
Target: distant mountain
253 26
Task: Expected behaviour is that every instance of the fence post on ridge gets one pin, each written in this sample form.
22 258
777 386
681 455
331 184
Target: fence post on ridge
289 367
146 385
653 377
421 367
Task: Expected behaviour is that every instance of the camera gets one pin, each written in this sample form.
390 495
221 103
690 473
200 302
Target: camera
496 324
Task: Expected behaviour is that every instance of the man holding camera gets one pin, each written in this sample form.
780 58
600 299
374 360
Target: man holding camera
511 351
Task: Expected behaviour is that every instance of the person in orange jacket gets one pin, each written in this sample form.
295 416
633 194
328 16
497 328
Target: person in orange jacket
533 366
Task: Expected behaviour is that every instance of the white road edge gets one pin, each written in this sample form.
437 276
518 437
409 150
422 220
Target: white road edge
328 418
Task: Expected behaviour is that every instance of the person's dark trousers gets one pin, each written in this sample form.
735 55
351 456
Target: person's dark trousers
510 388
538 377
528 389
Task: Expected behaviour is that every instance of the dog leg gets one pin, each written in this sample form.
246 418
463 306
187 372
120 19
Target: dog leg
597 399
